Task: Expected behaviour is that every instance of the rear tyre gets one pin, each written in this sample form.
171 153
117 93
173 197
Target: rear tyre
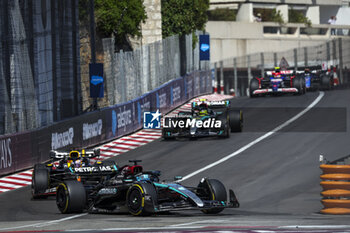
299 85
325 82
71 197
236 121
253 86
40 181
141 199
212 189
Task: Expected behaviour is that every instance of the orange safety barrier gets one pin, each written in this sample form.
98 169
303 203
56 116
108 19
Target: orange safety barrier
336 189
326 185
336 203
336 176
330 168
336 211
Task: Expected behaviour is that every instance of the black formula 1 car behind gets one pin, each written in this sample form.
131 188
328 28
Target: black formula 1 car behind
318 79
46 177
206 118
130 189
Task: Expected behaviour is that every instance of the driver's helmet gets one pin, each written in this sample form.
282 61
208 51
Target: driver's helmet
203 109
307 71
203 112
277 72
78 163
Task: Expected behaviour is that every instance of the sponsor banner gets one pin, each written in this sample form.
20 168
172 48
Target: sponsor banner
162 99
204 47
96 80
63 136
91 129
15 152
120 120
189 86
143 104
177 96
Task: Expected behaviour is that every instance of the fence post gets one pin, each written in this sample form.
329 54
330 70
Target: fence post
340 44
334 45
249 73
262 64
295 59
328 51
235 76
215 78
306 63
122 76
275 59
249 68
221 77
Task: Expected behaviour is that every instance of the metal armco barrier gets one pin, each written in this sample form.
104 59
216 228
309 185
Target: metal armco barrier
23 150
336 189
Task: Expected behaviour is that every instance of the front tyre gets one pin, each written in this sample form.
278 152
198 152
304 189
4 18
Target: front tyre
71 197
212 189
141 199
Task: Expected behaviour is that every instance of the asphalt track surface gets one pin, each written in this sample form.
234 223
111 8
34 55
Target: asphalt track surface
276 180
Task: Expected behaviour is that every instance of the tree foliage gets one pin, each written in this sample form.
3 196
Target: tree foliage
277 17
298 17
222 14
270 15
183 16
119 18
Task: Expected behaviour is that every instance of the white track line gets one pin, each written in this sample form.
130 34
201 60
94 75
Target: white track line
323 227
41 224
278 128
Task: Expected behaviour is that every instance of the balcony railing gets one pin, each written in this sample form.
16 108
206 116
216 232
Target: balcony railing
301 30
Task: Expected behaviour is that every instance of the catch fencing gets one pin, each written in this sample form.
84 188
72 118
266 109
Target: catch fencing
132 74
233 75
39 63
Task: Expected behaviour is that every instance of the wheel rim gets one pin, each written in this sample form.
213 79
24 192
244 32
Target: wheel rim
61 199
135 200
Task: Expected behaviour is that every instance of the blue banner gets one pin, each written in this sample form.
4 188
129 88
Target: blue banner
204 47
96 80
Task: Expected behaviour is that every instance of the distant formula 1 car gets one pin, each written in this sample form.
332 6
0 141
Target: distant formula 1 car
317 79
46 177
207 118
130 189
277 82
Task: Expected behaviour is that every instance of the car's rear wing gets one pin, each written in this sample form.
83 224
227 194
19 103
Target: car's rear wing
303 71
286 72
56 155
211 104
